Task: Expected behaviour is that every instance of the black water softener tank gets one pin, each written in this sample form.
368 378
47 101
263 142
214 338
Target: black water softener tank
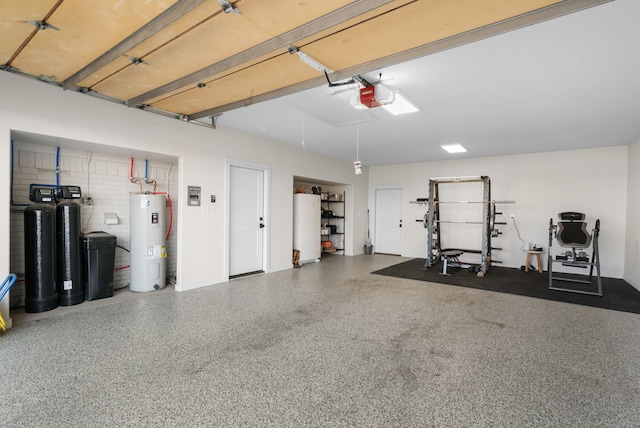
41 293
69 257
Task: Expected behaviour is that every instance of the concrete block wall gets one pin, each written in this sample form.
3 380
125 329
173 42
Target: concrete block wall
102 177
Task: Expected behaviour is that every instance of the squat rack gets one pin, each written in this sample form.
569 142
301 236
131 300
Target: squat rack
432 219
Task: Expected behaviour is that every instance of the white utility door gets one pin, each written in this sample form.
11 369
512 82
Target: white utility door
246 220
388 229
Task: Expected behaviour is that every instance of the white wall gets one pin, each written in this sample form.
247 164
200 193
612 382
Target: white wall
632 254
590 181
40 108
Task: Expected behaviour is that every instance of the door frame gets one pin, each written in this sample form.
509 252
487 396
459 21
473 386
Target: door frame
266 170
375 214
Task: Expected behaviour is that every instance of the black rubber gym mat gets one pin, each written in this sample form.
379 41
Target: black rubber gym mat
618 294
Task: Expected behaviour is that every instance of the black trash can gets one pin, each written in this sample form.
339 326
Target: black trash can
99 262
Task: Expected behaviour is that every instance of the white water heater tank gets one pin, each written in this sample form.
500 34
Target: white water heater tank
148 244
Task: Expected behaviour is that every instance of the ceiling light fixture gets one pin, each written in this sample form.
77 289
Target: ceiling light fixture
400 105
453 148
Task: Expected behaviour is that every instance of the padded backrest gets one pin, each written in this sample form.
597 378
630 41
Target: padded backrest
571 216
572 231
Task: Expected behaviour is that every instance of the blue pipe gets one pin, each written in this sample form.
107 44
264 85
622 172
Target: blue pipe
11 188
146 170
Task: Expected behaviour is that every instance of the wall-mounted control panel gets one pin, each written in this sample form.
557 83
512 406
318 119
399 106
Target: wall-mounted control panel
69 192
194 195
42 194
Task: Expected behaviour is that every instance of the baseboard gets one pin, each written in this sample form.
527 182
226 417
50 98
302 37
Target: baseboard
194 285
279 268
635 284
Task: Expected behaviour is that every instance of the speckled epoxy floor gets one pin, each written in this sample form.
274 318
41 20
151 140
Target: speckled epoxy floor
326 345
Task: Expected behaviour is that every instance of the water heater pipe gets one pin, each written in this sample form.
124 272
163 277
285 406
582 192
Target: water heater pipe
146 176
134 180
139 182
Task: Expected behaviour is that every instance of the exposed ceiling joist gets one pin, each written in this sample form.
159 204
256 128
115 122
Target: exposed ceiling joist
161 21
282 41
531 18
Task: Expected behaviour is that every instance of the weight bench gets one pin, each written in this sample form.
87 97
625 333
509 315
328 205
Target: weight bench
450 258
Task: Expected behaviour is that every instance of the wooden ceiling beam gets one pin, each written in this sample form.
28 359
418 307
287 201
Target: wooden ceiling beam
323 23
534 17
179 9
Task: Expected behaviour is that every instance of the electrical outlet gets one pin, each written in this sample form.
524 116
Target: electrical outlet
87 201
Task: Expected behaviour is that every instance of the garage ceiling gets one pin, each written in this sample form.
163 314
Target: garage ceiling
195 59
190 58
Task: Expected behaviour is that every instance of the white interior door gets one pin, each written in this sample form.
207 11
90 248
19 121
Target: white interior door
246 220
388 229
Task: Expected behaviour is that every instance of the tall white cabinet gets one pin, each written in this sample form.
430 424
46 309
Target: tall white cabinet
306 226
